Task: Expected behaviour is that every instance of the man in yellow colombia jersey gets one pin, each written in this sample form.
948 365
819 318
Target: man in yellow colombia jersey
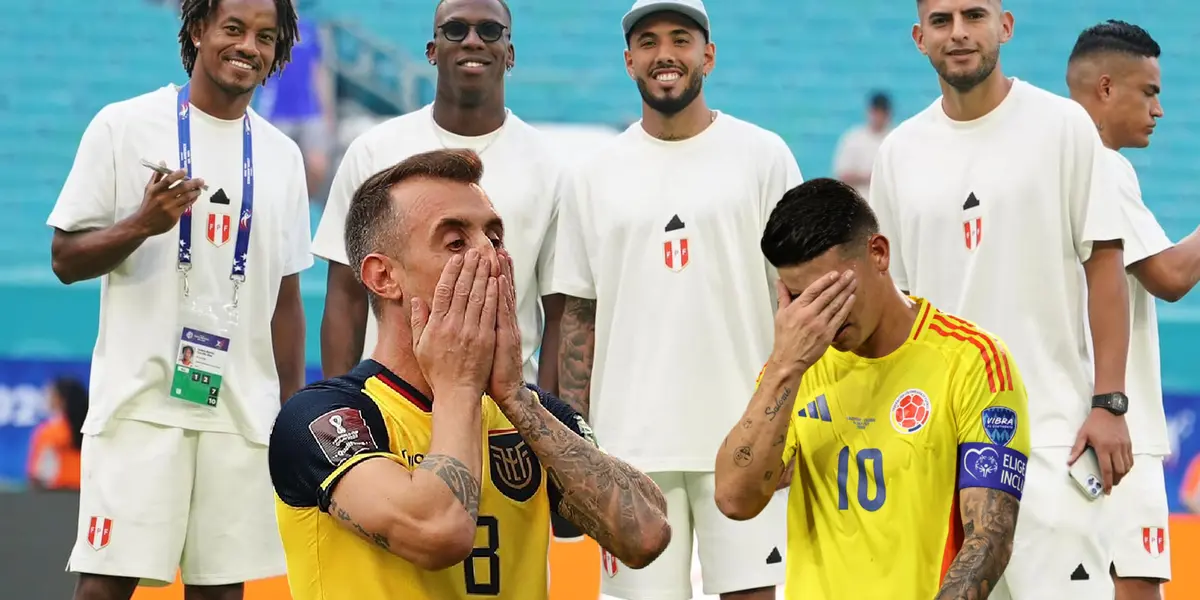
905 442
398 481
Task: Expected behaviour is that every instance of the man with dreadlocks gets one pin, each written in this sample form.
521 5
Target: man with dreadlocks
174 456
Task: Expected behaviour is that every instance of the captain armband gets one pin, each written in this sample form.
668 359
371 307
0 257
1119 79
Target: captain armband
991 466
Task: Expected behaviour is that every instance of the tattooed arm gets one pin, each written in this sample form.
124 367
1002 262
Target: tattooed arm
576 350
427 515
989 521
751 461
615 504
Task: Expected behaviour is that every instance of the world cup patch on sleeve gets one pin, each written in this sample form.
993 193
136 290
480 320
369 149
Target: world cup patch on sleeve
999 424
341 433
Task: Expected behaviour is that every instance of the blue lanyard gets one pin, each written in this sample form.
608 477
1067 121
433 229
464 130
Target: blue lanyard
241 246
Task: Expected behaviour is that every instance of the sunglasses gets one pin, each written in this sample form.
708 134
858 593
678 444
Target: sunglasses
457 31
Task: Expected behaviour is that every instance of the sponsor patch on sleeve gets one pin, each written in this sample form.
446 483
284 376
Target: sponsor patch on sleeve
999 424
991 466
341 433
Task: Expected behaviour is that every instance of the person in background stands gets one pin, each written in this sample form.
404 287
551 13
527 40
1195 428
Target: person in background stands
55 444
472 50
995 201
174 457
1113 72
671 300
855 154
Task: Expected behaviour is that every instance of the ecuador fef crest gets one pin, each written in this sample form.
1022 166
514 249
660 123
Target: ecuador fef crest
516 472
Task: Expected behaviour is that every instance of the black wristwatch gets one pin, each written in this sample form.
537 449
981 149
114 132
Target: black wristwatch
1114 402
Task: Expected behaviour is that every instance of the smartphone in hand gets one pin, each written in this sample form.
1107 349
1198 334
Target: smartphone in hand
164 171
1086 474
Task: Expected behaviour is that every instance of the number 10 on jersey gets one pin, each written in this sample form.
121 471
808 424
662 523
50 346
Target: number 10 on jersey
867 460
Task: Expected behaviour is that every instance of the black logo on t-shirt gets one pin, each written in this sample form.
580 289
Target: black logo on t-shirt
1080 574
971 202
774 557
220 197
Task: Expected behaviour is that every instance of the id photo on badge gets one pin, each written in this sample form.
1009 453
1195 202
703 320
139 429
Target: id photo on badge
202 353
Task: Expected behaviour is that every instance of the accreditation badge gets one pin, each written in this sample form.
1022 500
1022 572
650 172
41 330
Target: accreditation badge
202 354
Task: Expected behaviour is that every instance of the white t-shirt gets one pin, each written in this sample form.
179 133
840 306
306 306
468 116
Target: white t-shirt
991 220
856 153
1144 238
665 236
521 175
140 300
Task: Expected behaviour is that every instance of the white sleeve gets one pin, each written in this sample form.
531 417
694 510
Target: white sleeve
1095 213
88 199
572 268
297 251
883 202
546 254
1144 237
330 241
783 175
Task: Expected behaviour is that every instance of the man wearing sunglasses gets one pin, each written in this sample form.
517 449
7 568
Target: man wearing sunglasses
472 50
668 291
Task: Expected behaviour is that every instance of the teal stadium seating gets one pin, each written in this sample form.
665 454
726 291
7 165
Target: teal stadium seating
800 68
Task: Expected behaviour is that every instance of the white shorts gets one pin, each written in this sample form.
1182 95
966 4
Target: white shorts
734 555
1059 552
155 500
1137 521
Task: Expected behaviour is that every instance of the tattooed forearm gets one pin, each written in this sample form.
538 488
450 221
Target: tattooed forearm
750 464
989 520
458 478
340 514
615 504
743 456
576 351
772 411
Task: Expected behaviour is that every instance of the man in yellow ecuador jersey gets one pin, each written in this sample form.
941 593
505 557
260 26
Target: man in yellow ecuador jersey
402 480
905 442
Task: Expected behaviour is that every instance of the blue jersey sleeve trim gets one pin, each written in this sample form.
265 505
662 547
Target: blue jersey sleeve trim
991 466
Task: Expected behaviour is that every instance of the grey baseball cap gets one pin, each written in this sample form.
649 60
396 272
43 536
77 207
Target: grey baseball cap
692 9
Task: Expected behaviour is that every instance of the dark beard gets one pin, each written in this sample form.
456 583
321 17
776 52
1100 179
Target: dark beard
671 106
967 82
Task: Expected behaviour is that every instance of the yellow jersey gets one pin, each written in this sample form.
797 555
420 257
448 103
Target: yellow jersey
370 413
882 447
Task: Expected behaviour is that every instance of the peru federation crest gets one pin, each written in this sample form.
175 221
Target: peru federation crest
218 230
972 222
676 254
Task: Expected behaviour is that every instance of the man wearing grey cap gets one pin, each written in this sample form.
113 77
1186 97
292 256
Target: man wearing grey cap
670 299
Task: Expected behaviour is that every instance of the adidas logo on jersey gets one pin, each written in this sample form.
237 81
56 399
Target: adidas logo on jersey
817 409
